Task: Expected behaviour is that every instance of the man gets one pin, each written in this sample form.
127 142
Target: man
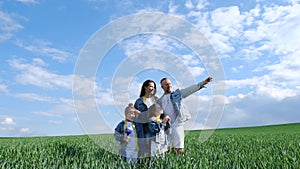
171 104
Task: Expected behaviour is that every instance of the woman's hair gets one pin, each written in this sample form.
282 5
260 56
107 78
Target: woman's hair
153 108
145 84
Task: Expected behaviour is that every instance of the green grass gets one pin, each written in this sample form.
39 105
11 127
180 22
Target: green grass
254 147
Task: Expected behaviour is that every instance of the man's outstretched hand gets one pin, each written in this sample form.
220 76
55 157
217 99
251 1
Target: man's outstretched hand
207 80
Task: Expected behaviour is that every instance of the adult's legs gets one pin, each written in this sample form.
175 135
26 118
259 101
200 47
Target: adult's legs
177 139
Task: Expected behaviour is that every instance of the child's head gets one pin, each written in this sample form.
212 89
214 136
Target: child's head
155 110
130 112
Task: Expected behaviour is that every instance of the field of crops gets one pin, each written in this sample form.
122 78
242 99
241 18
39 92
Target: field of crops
256 147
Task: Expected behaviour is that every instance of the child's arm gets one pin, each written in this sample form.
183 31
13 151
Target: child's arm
119 132
168 128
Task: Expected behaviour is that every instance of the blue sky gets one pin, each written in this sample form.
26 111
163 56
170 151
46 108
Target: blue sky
44 43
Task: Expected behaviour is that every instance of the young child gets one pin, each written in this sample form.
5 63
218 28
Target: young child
159 129
127 133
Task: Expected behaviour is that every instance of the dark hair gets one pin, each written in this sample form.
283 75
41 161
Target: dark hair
145 84
163 79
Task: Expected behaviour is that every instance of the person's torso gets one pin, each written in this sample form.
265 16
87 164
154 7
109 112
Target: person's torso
131 144
168 107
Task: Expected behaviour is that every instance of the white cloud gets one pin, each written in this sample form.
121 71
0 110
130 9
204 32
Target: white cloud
237 97
293 1
8 23
201 4
120 92
44 48
237 68
260 109
196 71
3 88
25 131
196 5
275 13
190 60
8 26
55 122
10 128
255 81
238 114
172 7
8 121
139 44
222 19
39 62
282 31
34 97
28 1
264 86
219 27
59 108
286 71
33 74
46 114
7 128
63 106
251 53
277 26
277 93
252 15
134 89
219 42
189 5
83 87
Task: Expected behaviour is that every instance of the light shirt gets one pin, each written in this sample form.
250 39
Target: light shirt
168 108
149 101
131 145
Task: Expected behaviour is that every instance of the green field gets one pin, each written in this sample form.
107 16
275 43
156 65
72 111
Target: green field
255 147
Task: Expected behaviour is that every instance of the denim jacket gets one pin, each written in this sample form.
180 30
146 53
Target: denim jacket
155 127
140 104
143 117
120 132
176 98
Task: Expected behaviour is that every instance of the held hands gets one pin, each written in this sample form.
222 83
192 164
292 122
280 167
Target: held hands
167 119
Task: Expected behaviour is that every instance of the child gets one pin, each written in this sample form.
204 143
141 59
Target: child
159 129
127 133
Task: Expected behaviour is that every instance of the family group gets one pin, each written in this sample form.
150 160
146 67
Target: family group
152 125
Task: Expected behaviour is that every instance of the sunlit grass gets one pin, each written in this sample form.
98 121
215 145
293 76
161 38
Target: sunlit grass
257 147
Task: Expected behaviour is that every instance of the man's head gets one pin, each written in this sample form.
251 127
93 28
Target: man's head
166 84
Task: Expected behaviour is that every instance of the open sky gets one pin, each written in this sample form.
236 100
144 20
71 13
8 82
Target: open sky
44 43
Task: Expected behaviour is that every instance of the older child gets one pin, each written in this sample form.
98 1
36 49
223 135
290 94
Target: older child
127 133
159 129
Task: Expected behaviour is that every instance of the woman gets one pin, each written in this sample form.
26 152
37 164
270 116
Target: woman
146 99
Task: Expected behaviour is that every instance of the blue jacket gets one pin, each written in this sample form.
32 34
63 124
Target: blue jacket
140 104
142 107
155 128
120 132
178 95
